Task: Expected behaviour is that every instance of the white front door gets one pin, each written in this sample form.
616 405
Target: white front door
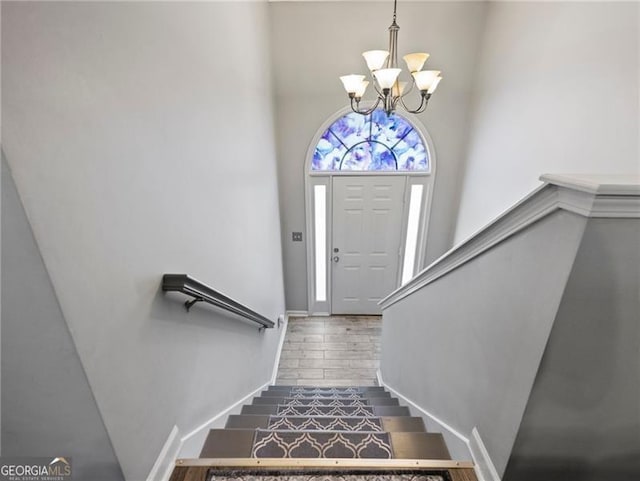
367 224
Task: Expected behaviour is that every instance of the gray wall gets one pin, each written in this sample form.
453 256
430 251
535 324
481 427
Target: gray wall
313 43
467 346
140 138
582 421
556 90
2 151
48 406
1 204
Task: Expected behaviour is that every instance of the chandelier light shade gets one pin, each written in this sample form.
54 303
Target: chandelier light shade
415 61
375 58
353 83
425 79
383 66
387 77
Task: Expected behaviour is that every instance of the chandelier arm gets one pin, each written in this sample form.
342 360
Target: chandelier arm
375 86
394 103
410 89
356 107
421 108
403 104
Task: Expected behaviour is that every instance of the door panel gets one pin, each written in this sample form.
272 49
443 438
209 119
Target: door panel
367 222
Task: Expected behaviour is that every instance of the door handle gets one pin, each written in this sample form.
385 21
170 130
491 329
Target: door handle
336 259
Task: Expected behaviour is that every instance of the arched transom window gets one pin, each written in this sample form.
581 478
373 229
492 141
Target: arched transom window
374 142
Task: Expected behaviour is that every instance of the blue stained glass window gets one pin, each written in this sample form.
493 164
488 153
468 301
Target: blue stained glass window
374 142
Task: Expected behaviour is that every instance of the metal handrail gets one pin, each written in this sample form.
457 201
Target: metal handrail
203 293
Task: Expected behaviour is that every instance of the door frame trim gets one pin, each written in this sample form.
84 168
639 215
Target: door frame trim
313 178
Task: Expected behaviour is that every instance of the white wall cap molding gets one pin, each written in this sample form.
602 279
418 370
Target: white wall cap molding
330 1
537 205
576 201
602 184
580 195
600 205
616 207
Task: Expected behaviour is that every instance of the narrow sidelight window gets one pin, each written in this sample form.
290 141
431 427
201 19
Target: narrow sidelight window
320 228
415 204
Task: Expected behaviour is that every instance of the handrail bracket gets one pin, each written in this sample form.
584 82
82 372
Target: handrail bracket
203 293
189 304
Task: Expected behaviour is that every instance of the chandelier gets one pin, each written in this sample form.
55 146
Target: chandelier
383 66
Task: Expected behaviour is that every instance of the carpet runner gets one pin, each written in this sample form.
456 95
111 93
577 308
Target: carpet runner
310 475
311 410
313 444
320 401
292 433
316 422
325 423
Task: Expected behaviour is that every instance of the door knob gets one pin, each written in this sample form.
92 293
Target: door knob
336 259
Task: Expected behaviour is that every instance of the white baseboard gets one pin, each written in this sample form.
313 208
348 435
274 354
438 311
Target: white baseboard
484 466
422 411
379 378
297 314
161 470
192 443
460 445
283 332
189 445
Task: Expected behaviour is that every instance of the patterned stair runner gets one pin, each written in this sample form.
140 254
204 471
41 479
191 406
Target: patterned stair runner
327 444
319 422
336 391
311 475
326 401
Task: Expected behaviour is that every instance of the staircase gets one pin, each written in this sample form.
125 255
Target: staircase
351 432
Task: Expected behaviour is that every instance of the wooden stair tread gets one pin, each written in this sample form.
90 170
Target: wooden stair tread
274 469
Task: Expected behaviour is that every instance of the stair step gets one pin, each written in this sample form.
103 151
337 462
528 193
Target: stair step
319 401
335 423
326 395
328 390
347 411
247 443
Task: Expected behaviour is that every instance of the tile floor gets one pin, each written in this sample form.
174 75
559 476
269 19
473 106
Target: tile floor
331 351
